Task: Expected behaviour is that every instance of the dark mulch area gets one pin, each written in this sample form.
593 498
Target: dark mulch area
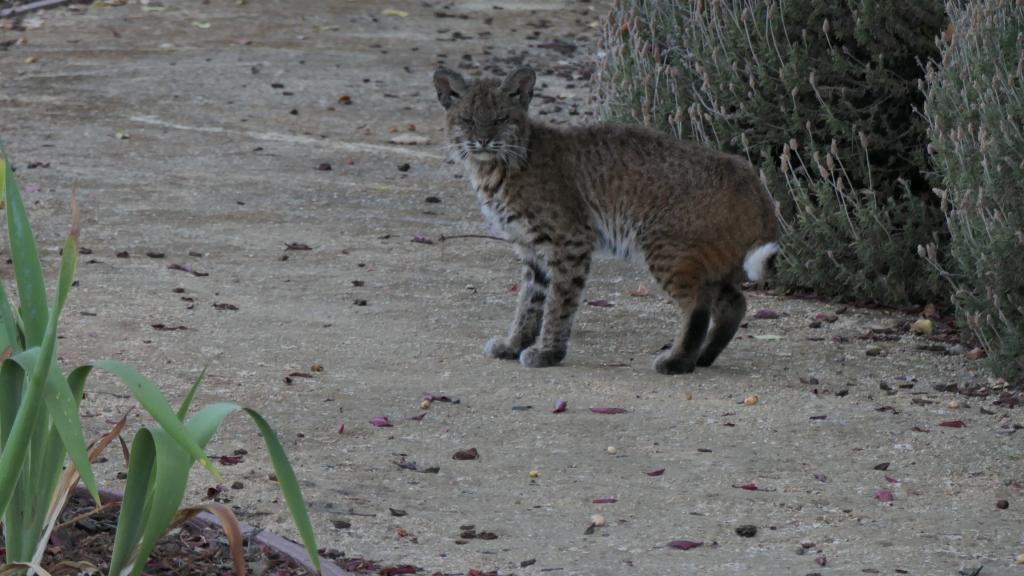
191 550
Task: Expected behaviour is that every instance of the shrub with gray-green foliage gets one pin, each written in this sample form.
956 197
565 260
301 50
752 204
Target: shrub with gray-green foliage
820 95
975 112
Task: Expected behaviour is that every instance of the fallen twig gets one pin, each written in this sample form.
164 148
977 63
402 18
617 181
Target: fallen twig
443 238
31 6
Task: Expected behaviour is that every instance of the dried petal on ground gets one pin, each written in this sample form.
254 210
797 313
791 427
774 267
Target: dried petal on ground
884 496
820 560
441 398
685 544
560 407
296 246
821 478
891 480
748 486
401 569
604 500
380 421
657 472
421 239
225 306
608 410
470 454
766 314
341 428
600 303
640 292
952 424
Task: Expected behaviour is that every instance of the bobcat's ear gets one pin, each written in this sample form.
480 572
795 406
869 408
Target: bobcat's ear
450 86
519 85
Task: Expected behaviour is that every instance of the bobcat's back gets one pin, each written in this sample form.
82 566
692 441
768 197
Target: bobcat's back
639 189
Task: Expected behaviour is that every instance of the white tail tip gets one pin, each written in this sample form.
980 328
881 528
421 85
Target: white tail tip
756 260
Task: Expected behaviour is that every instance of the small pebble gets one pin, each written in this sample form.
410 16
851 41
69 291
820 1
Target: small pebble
923 326
534 474
751 400
1020 559
612 450
873 351
597 520
746 530
404 167
1002 504
425 405
953 405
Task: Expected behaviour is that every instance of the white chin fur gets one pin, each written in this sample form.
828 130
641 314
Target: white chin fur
482 156
756 259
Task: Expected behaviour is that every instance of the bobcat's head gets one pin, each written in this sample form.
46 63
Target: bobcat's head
486 119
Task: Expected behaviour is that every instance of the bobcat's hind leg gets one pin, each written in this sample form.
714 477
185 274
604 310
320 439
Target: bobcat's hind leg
529 310
683 280
727 313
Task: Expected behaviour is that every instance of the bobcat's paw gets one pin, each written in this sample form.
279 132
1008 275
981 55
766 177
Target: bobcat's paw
666 363
499 347
536 357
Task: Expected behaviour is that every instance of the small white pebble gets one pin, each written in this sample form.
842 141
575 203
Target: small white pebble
425 405
534 474
612 449
751 400
1020 559
953 405
597 520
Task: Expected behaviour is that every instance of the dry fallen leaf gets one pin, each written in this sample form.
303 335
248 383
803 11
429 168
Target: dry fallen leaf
380 421
751 400
884 496
394 12
560 407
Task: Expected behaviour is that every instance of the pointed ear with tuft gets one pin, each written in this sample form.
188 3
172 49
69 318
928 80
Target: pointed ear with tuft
450 86
519 85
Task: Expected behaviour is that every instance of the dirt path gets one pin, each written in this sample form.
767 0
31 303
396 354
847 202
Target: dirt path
195 130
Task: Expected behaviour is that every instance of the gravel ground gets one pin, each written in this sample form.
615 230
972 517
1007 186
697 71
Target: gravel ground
201 133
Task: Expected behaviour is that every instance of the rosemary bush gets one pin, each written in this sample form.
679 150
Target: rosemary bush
975 113
821 96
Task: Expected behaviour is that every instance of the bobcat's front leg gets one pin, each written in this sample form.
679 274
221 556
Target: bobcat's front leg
529 308
568 276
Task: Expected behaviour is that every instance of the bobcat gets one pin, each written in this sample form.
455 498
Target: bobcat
699 220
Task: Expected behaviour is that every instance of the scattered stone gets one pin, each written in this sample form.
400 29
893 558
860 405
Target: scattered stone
747 531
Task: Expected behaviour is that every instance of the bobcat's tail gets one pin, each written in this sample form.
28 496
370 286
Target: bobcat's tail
756 261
